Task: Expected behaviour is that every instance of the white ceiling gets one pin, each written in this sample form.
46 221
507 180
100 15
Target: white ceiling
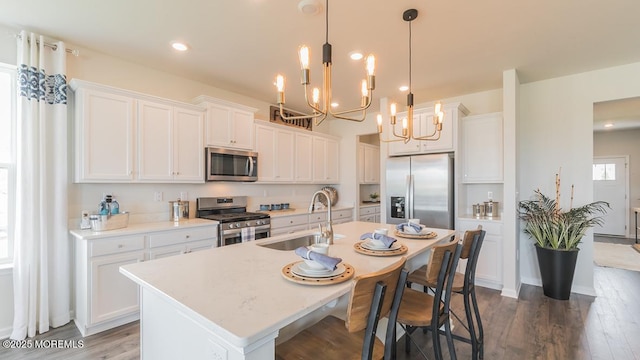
459 46
621 114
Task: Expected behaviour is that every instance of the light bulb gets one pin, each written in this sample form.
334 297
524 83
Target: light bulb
379 119
371 64
304 57
438 108
280 83
316 96
405 124
440 117
393 109
365 92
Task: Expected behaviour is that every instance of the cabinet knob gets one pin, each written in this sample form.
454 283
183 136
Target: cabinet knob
188 236
120 246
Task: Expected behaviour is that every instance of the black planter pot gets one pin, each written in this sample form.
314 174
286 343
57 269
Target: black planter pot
556 269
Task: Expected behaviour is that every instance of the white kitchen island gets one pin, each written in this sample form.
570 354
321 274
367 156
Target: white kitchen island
231 302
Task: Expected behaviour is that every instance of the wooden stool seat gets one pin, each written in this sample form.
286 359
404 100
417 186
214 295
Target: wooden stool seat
416 309
419 277
328 339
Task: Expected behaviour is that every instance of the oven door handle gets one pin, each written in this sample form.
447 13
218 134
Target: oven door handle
238 231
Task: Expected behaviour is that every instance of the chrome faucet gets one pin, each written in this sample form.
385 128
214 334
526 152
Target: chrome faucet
328 232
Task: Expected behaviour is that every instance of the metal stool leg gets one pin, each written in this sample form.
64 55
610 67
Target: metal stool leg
470 324
480 336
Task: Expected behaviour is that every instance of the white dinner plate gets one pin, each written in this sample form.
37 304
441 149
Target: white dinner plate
367 245
296 269
309 270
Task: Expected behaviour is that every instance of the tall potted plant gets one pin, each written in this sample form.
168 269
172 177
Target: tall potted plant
557 234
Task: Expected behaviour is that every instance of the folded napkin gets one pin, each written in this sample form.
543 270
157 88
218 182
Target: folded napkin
330 263
386 240
416 227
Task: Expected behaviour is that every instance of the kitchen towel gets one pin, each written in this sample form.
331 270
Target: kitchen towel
248 234
417 228
386 240
328 262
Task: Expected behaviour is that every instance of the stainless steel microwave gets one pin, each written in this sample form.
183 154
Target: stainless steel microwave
231 165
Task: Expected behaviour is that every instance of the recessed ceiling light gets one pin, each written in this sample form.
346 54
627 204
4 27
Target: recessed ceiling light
334 104
309 7
404 88
355 55
179 46
608 125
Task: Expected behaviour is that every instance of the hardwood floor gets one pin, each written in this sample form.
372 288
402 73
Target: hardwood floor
531 327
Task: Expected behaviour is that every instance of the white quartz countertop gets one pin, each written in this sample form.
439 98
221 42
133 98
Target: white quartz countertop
142 228
238 291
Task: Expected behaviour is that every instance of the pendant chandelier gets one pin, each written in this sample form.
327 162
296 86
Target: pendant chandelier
407 132
320 102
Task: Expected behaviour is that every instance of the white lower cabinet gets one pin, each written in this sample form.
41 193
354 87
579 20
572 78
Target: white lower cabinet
289 224
300 222
112 294
342 216
104 298
489 268
370 214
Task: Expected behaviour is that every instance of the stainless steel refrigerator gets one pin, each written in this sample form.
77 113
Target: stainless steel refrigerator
421 187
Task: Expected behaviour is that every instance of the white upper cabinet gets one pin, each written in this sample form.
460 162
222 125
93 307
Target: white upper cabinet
325 160
228 125
423 125
155 141
275 147
302 157
104 135
482 148
124 136
368 164
290 155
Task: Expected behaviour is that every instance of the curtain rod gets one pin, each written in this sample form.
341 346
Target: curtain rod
54 47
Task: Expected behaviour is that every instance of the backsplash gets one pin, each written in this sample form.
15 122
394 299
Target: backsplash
139 199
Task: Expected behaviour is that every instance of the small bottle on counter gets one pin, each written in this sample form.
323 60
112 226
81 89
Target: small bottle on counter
115 207
85 223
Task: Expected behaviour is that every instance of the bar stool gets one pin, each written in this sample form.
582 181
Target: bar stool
372 295
464 284
418 309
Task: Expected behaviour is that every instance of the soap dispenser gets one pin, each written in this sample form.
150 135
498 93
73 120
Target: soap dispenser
104 207
115 207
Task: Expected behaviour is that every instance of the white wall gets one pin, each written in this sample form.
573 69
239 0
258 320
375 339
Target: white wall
623 142
555 130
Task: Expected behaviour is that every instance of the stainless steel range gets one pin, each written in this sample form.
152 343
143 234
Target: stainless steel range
236 224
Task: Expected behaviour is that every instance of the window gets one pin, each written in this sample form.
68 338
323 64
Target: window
604 172
7 159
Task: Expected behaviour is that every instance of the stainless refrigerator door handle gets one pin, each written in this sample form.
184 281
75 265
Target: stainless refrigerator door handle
412 197
407 199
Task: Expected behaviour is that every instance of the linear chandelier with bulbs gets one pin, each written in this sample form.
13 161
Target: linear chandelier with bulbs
320 112
407 132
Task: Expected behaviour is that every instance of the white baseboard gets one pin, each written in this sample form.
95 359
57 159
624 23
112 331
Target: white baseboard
512 293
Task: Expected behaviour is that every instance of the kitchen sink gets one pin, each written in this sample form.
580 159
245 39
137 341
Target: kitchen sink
296 242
